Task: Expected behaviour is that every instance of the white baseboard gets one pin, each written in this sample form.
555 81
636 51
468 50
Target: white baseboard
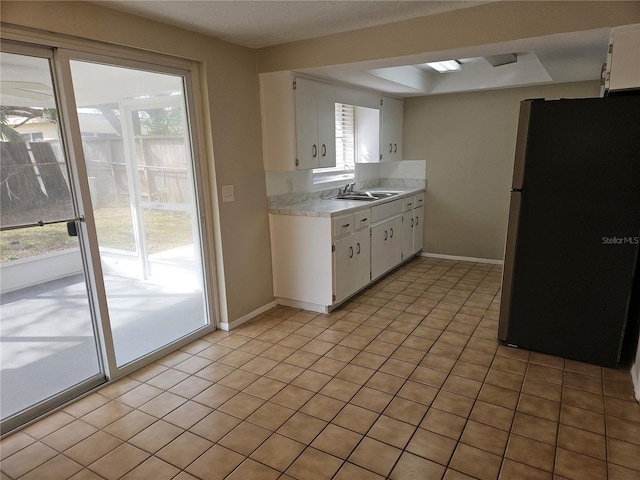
463 259
245 318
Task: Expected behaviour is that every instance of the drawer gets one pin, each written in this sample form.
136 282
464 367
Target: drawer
418 200
386 210
408 204
361 219
342 225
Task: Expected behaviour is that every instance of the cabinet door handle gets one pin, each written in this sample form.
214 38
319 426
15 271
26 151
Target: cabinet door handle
409 204
411 222
364 219
314 151
324 150
386 235
345 226
390 148
358 250
391 232
351 252
395 148
417 220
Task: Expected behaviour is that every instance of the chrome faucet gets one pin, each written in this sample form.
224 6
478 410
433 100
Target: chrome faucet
348 188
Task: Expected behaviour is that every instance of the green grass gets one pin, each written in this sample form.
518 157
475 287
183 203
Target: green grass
163 229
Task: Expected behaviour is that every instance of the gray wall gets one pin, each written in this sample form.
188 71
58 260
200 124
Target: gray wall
468 140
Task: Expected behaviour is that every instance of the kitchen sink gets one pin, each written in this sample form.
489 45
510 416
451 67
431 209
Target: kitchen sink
366 196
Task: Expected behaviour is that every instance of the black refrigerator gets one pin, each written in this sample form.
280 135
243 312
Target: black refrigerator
574 226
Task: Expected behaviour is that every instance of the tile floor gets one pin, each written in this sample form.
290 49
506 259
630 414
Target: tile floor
406 381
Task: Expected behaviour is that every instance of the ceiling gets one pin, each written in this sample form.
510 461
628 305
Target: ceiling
554 59
258 24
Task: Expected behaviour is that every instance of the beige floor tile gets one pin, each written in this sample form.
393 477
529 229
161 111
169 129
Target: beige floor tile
443 423
530 452
385 382
215 395
187 414
621 429
355 418
27 459
493 415
624 454
311 380
535 428
245 438
216 371
292 397
49 424
92 448
337 441
322 407
260 365
119 461
184 449
284 372
278 452
14 443
239 379
59 467
215 464
391 431
314 464
167 379
302 427
484 437
131 424
241 405
398 368
67 436
215 426
539 407
372 399
511 470
152 468
270 416
406 410
432 446
453 403
156 436
616 472
250 469
475 462
375 456
139 395
86 405
190 387
413 467
575 465
349 471
581 441
119 387
340 389
160 405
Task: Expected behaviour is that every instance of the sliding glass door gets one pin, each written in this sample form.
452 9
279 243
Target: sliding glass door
137 149
48 343
101 260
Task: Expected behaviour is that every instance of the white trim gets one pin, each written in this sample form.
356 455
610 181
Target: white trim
463 259
227 326
635 377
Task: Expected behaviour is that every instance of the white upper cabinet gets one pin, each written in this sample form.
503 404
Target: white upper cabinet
298 122
623 62
315 124
392 111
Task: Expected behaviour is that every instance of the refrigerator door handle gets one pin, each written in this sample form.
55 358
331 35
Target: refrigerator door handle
516 190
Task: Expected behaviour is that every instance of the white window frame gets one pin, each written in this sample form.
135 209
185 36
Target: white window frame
345 121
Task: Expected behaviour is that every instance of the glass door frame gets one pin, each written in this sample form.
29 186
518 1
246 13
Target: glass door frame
61 51
64 57
68 394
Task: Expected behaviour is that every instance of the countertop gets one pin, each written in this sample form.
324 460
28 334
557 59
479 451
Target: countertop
331 207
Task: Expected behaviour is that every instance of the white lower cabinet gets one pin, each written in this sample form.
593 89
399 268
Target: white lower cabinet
386 246
412 232
319 262
351 264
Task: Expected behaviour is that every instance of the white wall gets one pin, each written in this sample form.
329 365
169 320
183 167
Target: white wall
468 140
